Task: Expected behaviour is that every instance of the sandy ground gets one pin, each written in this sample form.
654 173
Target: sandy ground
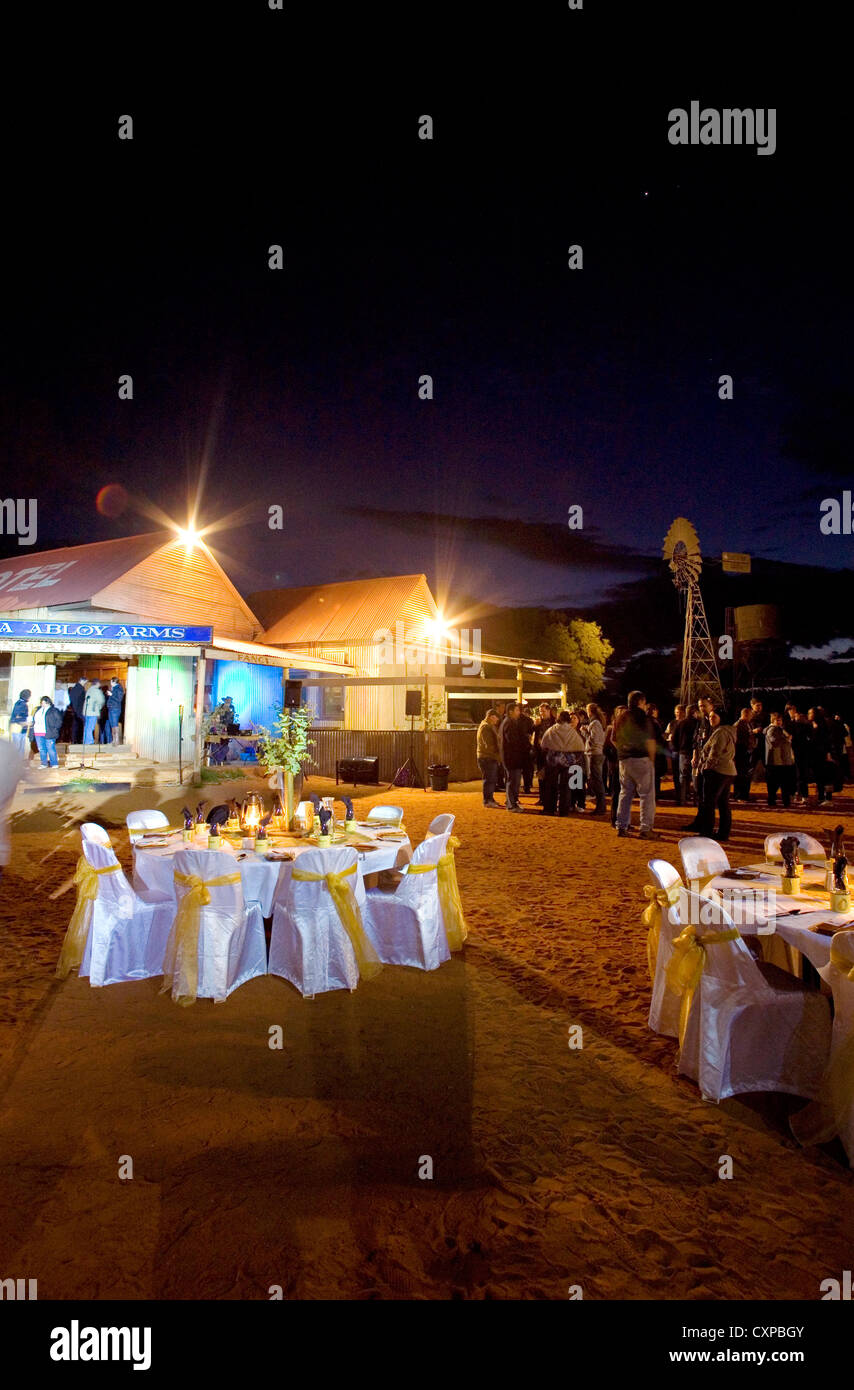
300 1168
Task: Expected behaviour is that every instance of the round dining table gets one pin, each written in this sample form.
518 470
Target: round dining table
261 879
794 918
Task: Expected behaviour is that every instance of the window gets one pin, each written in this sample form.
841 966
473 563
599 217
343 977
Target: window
5 678
332 703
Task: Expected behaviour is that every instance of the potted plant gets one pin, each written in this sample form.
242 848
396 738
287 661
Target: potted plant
284 751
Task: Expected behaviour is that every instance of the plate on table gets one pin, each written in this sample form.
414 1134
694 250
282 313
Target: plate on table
153 841
391 835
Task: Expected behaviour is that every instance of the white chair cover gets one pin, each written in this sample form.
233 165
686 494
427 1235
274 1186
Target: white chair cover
406 926
841 981
702 858
749 1028
664 1004
127 937
811 848
95 833
309 944
145 820
390 815
833 1113
232 948
441 825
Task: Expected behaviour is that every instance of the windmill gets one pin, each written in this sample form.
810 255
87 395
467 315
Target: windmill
699 668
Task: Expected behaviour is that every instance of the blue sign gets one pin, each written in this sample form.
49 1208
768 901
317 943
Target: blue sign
112 632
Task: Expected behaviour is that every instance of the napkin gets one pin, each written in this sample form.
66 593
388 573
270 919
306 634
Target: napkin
188 817
324 817
348 807
200 812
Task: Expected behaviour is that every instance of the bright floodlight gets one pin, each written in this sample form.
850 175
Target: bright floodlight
188 536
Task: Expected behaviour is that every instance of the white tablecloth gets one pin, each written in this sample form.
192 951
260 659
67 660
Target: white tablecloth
795 931
259 877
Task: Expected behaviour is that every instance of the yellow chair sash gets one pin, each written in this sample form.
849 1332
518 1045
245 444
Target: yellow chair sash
74 945
660 899
686 965
182 948
351 918
449 897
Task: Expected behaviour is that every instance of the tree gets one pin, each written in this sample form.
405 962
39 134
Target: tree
582 646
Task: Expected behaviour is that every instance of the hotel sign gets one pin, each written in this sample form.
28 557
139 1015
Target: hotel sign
107 632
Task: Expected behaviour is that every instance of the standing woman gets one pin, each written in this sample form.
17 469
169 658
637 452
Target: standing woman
47 722
613 760
578 795
594 743
717 768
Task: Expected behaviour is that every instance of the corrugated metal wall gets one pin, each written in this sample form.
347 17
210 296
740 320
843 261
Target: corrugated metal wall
156 687
173 586
256 690
456 747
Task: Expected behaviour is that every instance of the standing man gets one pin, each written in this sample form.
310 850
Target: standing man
802 749
527 723
541 725
779 761
19 722
685 744
757 723
636 749
92 706
717 762
500 708
489 756
701 734
515 750
671 736
745 742
76 699
115 700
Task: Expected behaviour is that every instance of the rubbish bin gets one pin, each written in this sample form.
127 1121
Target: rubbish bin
438 777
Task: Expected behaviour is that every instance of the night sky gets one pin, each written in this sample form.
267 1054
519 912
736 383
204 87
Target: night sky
552 387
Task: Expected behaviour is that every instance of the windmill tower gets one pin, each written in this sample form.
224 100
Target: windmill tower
699 668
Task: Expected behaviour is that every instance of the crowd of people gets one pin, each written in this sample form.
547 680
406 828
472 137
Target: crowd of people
714 762
86 713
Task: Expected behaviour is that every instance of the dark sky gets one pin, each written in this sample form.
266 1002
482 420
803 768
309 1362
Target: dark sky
404 257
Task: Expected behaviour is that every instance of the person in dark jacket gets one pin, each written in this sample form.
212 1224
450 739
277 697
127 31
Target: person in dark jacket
19 720
76 698
527 724
515 751
545 721
717 765
46 724
489 755
684 742
115 700
802 749
821 750
702 734
745 742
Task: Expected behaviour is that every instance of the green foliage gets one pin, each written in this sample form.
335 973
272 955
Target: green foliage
582 647
286 748
437 716
230 774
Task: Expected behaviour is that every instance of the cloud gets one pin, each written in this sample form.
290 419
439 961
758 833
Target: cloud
544 542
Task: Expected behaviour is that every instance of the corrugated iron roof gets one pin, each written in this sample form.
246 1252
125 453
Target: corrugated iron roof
349 612
73 574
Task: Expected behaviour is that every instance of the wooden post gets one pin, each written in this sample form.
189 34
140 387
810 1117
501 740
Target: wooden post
563 694
426 734
519 684
199 710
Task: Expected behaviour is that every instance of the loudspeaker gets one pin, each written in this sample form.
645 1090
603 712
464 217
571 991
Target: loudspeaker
293 694
413 703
